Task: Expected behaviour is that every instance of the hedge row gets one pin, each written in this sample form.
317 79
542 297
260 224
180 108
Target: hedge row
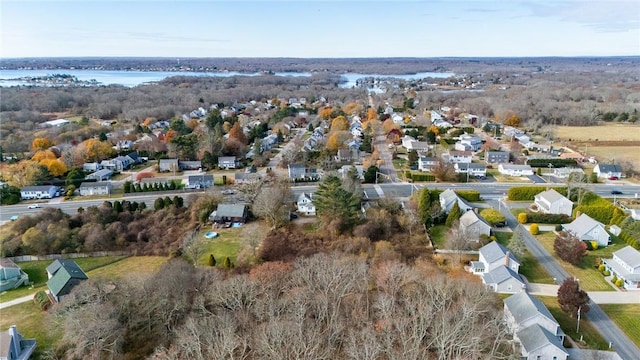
556 163
527 193
604 214
541 218
469 195
629 239
421 177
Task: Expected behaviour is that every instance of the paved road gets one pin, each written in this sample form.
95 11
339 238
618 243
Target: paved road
601 322
598 297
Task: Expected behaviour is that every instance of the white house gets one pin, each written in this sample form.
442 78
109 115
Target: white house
625 265
426 163
534 328
449 197
470 168
305 204
493 255
566 171
469 142
498 268
457 156
552 202
608 170
587 229
473 225
418 146
407 140
38 192
515 170
95 188
503 280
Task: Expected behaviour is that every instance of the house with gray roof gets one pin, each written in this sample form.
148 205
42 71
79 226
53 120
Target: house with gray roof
473 169
608 170
426 163
494 255
11 275
449 197
230 213
13 346
496 157
503 280
100 175
38 192
552 202
473 225
95 188
538 343
168 165
534 328
587 229
625 265
515 170
202 181
63 276
227 162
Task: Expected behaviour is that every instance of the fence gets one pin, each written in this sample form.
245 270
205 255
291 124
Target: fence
23 258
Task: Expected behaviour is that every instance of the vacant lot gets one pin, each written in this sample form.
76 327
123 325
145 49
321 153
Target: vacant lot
627 317
617 153
609 132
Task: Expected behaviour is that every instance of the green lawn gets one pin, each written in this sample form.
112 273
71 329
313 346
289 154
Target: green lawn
568 324
439 236
31 323
529 267
38 274
627 317
590 277
400 164
134 265
228 243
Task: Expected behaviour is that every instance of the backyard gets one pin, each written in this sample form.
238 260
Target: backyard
231 242
590 278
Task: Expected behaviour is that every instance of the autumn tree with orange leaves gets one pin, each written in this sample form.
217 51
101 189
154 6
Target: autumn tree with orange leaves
340 123
41 144
236 133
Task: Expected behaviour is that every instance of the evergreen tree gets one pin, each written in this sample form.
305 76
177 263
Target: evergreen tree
212 260
334 203
178 202
158 204
413 158
167 201
454 215
227 263
117 206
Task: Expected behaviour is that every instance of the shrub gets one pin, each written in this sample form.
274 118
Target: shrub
614 279
469 195
533 229
594 245
492 216
619 283
601 268
558 227
41 299
606 273
527 193
541 218
556 163
522 218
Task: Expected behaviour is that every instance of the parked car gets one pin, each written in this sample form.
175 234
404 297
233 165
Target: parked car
616 192
228 192
613 178
34 206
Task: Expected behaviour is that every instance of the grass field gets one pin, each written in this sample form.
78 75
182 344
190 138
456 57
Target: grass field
438 236
131 266
608 132
568 324
619 153
31 324
231 241
590 277
627 317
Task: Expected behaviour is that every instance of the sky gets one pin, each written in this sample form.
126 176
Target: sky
308 29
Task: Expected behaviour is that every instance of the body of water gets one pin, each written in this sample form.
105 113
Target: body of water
135 78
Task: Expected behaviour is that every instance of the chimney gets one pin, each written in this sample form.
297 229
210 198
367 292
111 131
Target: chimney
15 340
506 259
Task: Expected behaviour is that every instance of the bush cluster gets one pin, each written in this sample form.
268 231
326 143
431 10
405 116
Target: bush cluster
421 177
548 218
556 163
469 195
527 193
130 187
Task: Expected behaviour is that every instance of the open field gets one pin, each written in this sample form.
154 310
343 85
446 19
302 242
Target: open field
128 267
627 317
590 278
608 132
618 153
230 242
568 324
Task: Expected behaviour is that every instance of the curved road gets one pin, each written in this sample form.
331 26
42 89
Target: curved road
601 322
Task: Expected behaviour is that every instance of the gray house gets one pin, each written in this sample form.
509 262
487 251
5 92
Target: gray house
190 165
199 181
14 347
63 276
300 171
503 280
227 162
168 165
230 213
493 255
100 175
95 188
473 225
11 276
496 157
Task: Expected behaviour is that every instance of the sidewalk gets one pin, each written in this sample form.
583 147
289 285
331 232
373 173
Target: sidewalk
598 297
16 301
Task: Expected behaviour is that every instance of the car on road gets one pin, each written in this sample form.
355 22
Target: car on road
228 192
616 192
34 206
613 178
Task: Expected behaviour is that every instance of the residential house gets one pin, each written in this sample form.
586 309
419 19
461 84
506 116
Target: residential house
116 164
347 168
608 170
426 163
227 162
503 280
100 175
615 230
522 138
473 225
38 192
449 197
470 143
587 229
493 255
534 328
56 123
496 157
91 167
457 156
625 265
13 346
515 170
11 276
63 276
564 172
305 204
345 155
635 214
552 202
419 146
123 145
473 169
245 178
202 181
407 140
190 165
165 165
301 172
95 188
230 213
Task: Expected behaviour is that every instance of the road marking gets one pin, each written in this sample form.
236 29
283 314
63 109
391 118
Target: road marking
378 190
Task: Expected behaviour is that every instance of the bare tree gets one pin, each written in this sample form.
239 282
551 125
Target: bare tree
272 203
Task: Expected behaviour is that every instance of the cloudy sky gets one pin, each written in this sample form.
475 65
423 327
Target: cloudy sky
301 28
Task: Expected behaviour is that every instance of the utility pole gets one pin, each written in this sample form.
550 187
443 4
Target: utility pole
578 327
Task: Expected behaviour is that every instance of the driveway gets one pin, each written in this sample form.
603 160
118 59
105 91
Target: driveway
536 179
17 301
602 323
